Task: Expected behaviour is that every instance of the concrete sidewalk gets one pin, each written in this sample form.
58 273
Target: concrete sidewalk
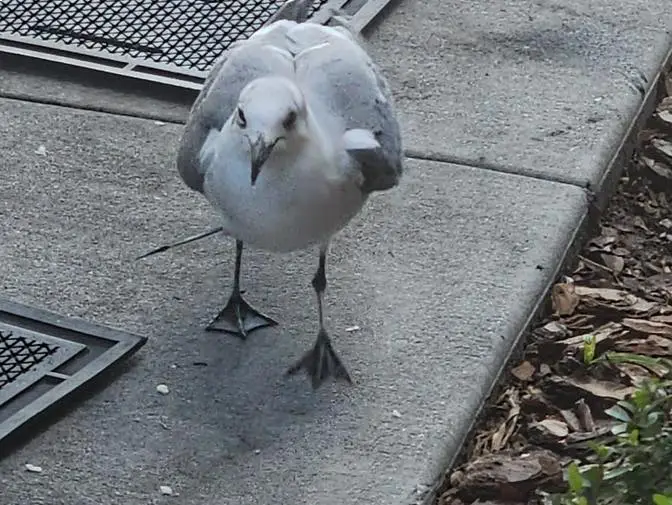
440 275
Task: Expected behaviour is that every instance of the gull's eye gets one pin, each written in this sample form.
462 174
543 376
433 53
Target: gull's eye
289 121
241 118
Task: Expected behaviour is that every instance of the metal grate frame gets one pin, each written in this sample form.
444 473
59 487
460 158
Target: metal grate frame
173 42
46 358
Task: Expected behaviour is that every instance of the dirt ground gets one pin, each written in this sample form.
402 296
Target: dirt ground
618 299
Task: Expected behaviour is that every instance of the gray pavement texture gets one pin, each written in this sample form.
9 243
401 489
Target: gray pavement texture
539 87
439 274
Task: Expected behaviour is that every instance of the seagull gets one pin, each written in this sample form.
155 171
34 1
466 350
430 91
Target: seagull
293 130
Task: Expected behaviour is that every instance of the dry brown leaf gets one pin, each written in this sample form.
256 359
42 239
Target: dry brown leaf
662 146
508 427
626 300
665 104
649 327
553 427
581 437
499 438
536 402
564 299
608 294
638 222
607 238
635 373
524 371
662 281
601 389
640 305
653 345
564 391
555 329
507 476
604 336
585 415
660 169
615 263
580 322
571 419
666 318
665 115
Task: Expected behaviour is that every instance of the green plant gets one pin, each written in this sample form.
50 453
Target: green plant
589 348
636 468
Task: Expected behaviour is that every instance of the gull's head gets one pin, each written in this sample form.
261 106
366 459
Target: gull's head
271 114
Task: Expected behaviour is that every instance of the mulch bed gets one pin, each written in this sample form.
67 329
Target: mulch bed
617 299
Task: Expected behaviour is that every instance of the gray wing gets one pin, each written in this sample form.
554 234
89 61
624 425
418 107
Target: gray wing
260 55
338 74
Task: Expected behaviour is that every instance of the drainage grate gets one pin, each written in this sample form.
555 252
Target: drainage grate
20 355
169 41
45 358
189 34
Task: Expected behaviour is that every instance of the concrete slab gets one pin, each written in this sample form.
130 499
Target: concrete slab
25 79
439 276
539 87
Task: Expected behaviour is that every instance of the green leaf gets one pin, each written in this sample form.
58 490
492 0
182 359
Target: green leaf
601 451
592 475
635 359
627 406
616 472
589 346
619 428
661 499
574 478
618 413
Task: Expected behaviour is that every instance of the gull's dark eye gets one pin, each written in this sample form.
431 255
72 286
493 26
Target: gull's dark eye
241 118
289 121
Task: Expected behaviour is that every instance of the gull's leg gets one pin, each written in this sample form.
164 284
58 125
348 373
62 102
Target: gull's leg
321 361
239 317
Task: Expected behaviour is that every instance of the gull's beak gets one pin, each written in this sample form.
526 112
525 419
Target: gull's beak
260 150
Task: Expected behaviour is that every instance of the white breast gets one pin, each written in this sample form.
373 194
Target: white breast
298 200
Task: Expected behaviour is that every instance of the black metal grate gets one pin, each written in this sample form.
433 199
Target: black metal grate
45 358
18 355
185 33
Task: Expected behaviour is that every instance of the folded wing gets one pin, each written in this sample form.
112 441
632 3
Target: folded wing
341 80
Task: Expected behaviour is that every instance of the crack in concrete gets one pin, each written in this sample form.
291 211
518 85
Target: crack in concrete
409 153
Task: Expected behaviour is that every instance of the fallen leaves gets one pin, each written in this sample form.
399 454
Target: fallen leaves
609 329
650 327
524 371
565 299
614 299
501 436
597 388
508 476
553 427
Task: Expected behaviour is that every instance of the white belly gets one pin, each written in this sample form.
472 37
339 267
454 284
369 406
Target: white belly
287 209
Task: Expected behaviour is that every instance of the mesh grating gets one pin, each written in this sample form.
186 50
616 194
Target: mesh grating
186 33
18 355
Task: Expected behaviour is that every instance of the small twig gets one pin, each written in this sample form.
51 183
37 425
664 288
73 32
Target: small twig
602 267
